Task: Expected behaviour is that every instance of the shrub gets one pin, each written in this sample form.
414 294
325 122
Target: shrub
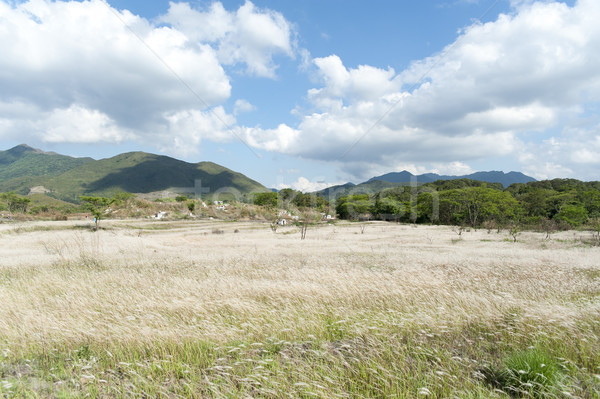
191 206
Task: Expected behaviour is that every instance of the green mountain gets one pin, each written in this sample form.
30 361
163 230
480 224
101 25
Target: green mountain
23 167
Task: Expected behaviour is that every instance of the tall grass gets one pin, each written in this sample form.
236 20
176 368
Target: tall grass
132 311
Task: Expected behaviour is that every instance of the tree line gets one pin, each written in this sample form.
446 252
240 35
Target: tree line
566 203
548 204
288 197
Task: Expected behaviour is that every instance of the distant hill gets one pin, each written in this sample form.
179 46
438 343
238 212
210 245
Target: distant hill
369 187
66 178
23 167
395 179
506 179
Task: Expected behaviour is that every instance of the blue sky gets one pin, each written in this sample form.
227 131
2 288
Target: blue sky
309 93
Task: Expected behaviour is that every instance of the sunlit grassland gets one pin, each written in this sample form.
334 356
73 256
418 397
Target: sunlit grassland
390 310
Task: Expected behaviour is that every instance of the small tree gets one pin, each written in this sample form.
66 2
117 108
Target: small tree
303 228
15 202
309 217
191 206
549 226
458 230
121 198
514 230
96 206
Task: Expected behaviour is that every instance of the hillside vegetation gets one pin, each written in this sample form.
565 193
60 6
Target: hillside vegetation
546 205
23 167
66 178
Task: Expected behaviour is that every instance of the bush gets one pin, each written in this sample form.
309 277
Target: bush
191 206
39 209
268 199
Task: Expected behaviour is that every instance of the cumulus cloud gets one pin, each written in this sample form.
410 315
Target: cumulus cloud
186 129
242 105
574 152
249 36
74 124
75 72
523 74
307 186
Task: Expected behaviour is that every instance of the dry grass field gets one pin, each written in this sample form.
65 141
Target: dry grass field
212 309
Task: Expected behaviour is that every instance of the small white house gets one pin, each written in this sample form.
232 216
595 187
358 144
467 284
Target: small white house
282 222
160 215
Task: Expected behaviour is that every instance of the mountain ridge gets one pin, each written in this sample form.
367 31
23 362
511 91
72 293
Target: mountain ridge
24 167
395 179
494 176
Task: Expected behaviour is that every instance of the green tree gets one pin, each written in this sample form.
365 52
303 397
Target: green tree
590 199
575 215
15 202
96 206
268 199
355 206
287 194
451 207
535 202
389 208
427 207
475 205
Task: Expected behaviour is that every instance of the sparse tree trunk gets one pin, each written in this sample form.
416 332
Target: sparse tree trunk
514 232
303 228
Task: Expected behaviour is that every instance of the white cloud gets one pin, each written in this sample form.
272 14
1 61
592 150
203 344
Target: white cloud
452 169
522 74
79 125
242 105
249 36
270 139
74 71
307 186
184 130
575 152
74 124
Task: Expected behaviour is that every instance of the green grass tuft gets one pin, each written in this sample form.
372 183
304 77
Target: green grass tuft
533 372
